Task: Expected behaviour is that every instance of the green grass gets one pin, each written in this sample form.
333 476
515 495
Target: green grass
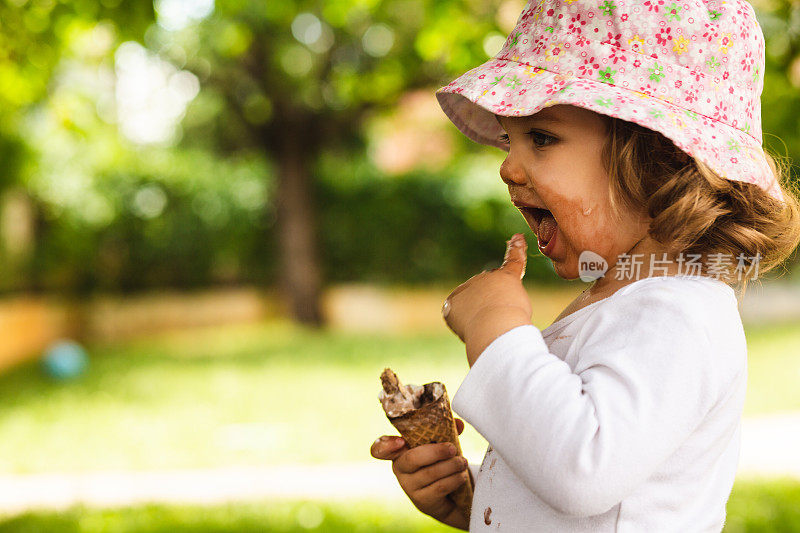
262 394
764 505
773 369
359 517
754 506
276 393
267 394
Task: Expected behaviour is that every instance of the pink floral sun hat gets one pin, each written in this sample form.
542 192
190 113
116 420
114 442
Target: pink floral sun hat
691 70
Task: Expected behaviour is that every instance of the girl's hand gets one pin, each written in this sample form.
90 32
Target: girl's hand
490 303
427 474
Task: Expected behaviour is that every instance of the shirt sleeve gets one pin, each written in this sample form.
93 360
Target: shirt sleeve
583 440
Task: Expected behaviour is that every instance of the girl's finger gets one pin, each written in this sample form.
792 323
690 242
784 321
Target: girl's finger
442 487
387 447
433 473
421 456
516 255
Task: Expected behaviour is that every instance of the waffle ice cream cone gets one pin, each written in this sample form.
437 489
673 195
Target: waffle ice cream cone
422 415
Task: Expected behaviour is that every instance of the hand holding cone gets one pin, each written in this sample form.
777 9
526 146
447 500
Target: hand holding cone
429 419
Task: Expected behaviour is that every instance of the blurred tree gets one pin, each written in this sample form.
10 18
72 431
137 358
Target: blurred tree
780 102
35 37
297 77
285 91
780 21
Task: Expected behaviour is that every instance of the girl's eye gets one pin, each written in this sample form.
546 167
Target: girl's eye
535 135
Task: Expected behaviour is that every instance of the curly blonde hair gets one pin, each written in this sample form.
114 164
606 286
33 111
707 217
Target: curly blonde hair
695 211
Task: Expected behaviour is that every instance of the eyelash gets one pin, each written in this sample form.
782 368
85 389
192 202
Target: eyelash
504 138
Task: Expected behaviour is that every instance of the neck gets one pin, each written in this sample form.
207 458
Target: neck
642 253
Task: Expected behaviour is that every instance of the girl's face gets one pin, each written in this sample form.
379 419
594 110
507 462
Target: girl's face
554 163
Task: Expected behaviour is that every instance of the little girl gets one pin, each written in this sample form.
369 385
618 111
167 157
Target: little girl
633 131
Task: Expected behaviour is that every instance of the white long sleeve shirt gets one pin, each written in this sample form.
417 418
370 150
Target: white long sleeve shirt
623 416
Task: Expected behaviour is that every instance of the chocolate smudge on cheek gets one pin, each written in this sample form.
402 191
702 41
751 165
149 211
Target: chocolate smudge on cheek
576 228
587 227
583 224
487 516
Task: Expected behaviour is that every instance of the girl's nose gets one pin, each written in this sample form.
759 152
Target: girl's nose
511 172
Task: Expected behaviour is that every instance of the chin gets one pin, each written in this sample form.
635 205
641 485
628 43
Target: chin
567 272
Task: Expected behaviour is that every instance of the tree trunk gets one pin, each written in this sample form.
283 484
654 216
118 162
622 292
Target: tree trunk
300 278
16 237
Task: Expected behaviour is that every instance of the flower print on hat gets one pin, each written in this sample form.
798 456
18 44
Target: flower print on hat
689 70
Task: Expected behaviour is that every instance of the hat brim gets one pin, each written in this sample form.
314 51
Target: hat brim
510 88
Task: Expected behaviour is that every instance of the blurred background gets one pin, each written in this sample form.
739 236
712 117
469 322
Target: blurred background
219 222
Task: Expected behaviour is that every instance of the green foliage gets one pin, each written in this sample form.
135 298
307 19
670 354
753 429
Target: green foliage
780 101
185 219
320 67
781 131
178 219
414 229
36 37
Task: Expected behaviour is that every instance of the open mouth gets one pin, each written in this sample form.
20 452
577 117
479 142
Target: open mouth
534 216
541 221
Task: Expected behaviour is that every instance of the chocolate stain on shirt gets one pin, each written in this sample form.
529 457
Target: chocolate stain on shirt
487 516
494 460
483 463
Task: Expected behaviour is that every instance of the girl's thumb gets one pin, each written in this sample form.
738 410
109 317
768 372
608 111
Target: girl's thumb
516 255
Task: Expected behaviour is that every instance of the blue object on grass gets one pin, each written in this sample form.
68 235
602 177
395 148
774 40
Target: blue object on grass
65 359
